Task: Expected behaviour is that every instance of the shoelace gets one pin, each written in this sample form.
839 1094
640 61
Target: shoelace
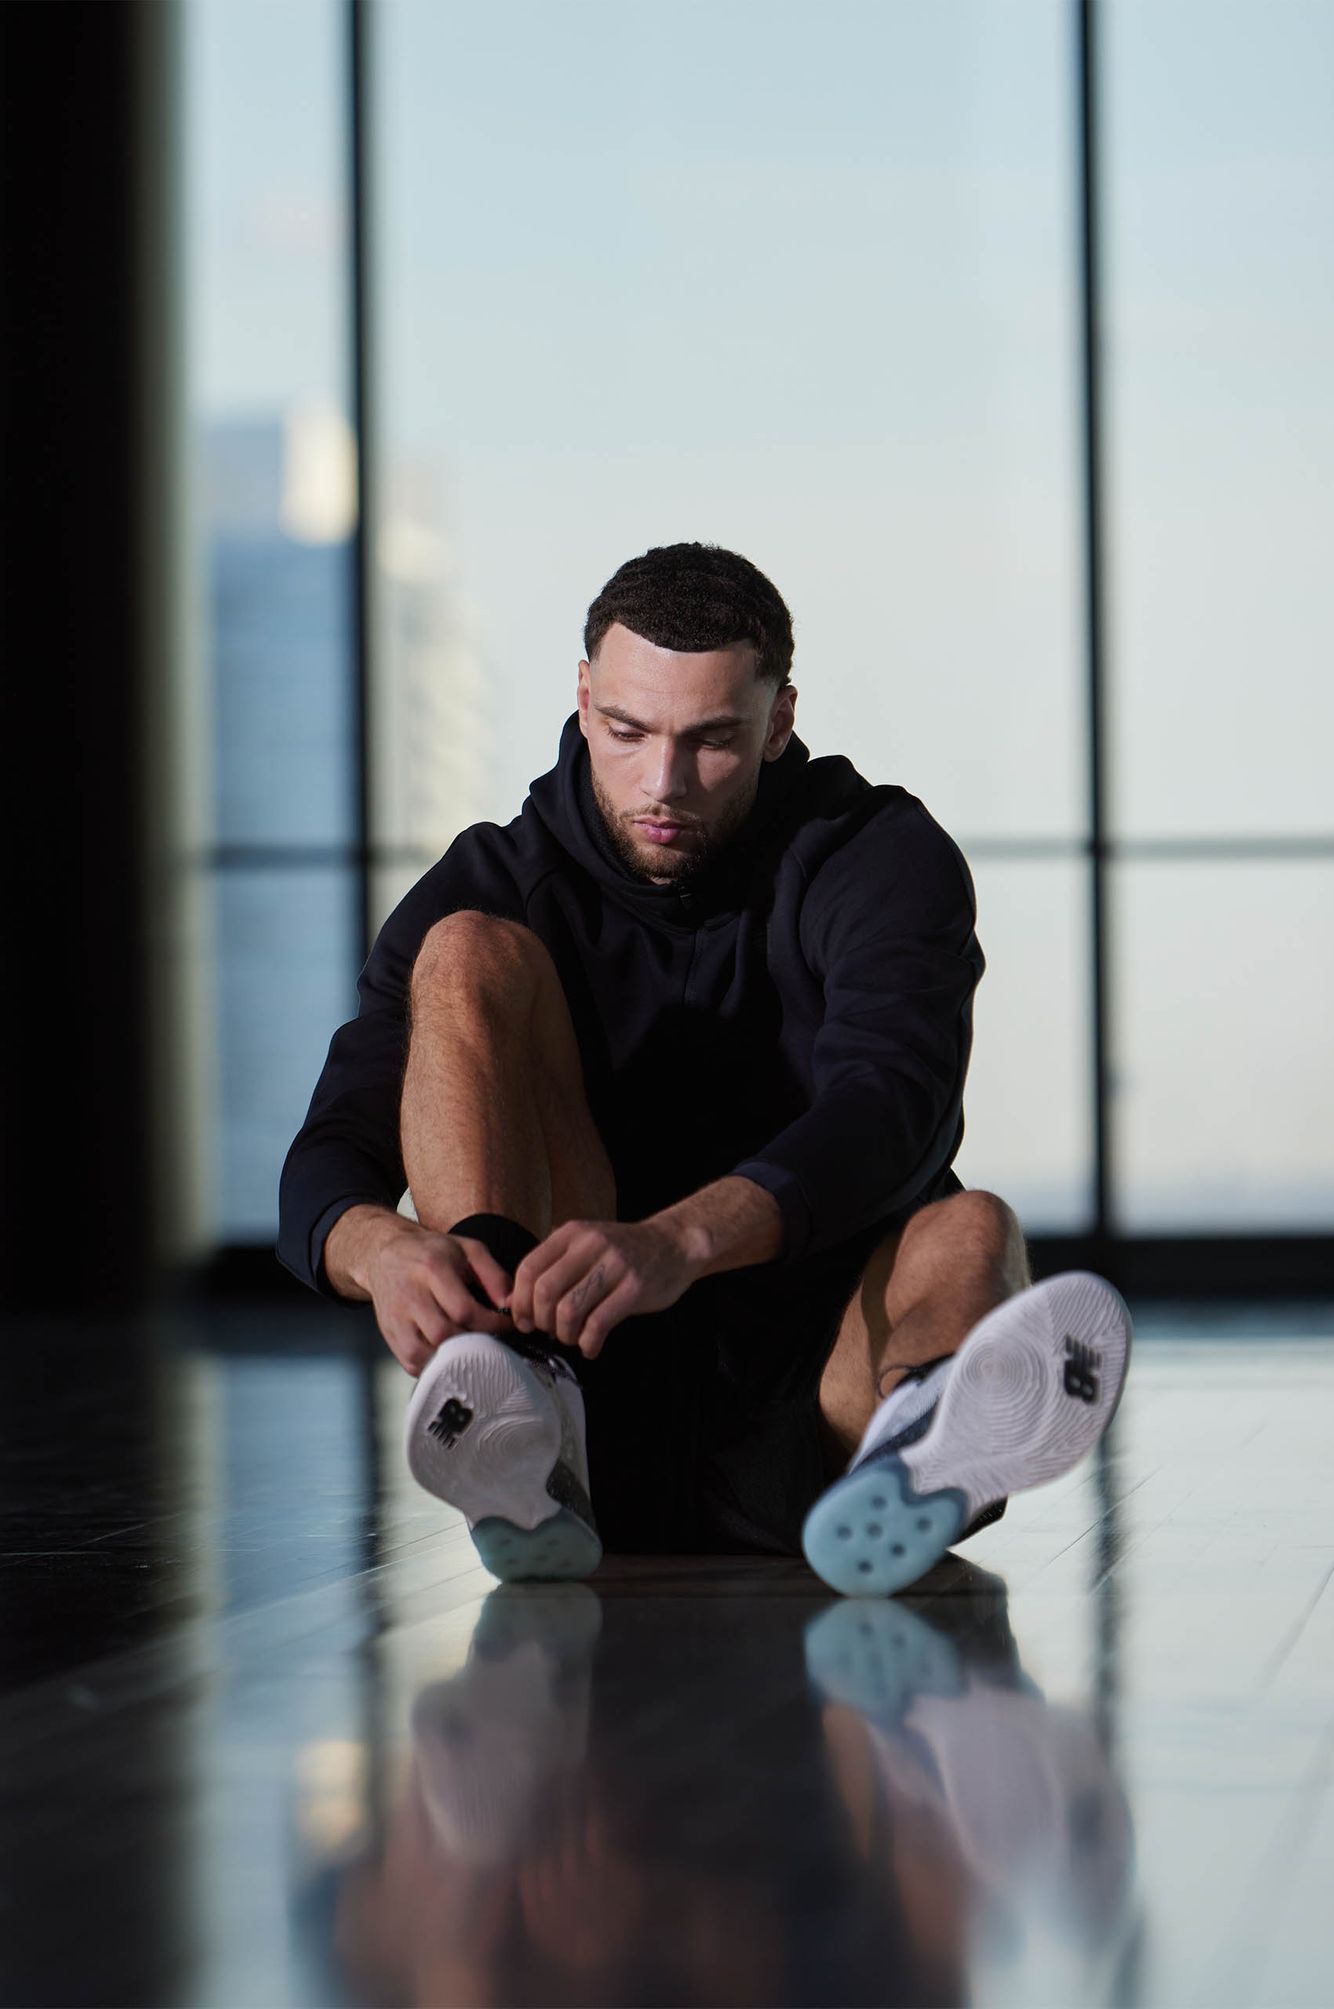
532 1346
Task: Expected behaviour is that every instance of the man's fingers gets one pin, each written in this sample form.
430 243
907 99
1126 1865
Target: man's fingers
409 1346
600 1280
437 1309
467 1313
531 1270
492 1275
470 1315
563 1276
428 1298
618 1304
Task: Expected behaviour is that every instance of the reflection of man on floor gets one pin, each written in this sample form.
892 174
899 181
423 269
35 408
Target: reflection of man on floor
672 1068
919 1810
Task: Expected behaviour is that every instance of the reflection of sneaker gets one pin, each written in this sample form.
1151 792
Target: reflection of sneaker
499 1434
1029 1392
877 1658
1024 1787
489 1740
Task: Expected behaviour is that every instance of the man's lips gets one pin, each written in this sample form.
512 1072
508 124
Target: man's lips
658 829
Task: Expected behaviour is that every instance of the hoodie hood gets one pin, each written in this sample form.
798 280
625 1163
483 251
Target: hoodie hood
564 800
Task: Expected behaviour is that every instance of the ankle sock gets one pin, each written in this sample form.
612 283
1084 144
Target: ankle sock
508 1241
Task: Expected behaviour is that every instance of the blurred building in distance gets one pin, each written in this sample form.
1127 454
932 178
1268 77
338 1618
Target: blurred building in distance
277 512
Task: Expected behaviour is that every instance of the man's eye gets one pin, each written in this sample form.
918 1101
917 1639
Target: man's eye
634 735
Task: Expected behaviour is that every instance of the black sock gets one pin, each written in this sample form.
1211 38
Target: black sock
509 1241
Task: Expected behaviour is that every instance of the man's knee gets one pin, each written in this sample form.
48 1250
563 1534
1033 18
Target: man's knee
477 949
980 1222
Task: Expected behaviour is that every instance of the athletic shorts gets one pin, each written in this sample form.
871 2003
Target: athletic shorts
703 1420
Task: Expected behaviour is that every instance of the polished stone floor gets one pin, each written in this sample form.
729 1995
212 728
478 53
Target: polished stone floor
269 1735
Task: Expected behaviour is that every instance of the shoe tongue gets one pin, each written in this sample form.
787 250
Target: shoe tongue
916 1395
923 1368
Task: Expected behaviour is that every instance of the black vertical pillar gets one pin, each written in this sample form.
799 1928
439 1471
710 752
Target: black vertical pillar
363 583
1091 331
79 87
87 370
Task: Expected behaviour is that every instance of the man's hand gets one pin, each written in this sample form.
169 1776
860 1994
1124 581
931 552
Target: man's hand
589 1275
426 1287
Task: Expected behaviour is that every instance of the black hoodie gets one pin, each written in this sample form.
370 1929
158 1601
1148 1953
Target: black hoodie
800 1015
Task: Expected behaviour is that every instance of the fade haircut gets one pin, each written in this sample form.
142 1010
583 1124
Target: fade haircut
697 597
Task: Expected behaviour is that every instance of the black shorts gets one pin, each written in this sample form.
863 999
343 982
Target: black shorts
703 1420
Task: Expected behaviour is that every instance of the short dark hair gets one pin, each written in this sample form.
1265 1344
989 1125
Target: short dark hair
697 597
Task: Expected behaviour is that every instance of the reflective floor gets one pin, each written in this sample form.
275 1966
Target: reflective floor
269 1735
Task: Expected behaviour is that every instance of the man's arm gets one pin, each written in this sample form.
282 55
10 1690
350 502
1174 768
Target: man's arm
725 1226
888 925
585 1277
354 1241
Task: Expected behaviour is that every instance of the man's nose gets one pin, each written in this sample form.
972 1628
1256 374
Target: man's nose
669 774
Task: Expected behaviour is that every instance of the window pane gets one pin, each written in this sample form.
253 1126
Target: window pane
1027 1102
274 468
286 979
389 883
284 752
435 708
1220 192
796 280
273 510
1224 1111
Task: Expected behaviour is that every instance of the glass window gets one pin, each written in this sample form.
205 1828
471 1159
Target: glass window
1219 184
1028 1102
796 280
287 958
273 511
1221 1015
813 298
278 610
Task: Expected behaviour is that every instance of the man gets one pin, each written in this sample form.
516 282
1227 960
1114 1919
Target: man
672 1068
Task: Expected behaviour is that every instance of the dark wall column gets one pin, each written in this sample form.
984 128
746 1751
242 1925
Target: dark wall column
87 186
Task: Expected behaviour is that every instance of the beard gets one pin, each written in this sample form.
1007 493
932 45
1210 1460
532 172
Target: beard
696 857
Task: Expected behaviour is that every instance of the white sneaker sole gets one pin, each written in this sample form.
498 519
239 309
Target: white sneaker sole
1030 1392
491 1433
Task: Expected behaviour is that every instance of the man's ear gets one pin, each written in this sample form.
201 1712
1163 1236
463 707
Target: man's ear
781 726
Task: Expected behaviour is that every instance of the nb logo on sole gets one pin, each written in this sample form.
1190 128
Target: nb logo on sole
451 1423
1081 1369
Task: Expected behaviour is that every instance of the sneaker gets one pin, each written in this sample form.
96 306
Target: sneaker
1030 1391
497 1431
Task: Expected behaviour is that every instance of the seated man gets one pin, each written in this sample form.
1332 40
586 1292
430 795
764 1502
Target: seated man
672 1068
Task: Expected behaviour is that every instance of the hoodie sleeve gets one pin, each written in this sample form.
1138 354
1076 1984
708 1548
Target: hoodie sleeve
888 925
347 1149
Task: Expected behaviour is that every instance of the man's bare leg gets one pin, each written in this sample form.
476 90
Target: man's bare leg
495 1118
924 1289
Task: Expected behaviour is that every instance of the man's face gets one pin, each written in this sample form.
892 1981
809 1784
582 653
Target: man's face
676 740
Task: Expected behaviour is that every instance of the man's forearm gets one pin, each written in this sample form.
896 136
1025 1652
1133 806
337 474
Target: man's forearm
727 1225
351 1243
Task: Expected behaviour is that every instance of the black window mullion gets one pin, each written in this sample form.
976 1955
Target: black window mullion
1090 306
363 583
